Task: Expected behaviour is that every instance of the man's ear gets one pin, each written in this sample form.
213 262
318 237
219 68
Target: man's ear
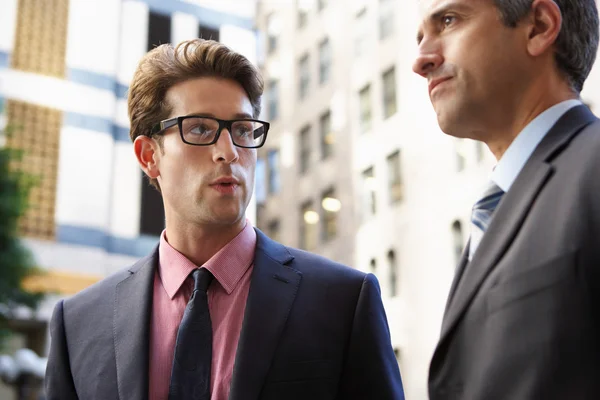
147 151
545 24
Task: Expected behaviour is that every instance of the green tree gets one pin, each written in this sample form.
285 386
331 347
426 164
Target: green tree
16 261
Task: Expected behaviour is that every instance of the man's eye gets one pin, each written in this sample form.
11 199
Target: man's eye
200 130
448 20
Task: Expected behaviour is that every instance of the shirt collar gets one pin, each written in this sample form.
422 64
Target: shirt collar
228 265
519 151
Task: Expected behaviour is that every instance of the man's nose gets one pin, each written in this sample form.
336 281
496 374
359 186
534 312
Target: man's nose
427 62
224 149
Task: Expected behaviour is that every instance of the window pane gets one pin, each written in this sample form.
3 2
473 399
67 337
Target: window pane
386 18
395 186
327 136
331 206
324 61
303 76
205 32
273 166
373 266
302 12
361 38
365 109
389 92
36 132
274 230
309 220
159 30
273 99
369 194
457 240
152 215
273 32
304 149
393 270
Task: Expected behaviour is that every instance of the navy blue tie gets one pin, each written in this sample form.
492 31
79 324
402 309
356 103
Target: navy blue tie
190 376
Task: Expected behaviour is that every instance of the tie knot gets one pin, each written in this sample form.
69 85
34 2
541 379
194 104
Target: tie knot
202 279
490 198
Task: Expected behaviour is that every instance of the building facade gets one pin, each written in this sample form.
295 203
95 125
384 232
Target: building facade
404 190
65 67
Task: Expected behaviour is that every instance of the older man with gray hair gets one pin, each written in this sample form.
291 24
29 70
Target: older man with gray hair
522 319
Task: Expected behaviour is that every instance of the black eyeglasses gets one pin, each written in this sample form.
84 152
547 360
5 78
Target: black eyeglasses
204 131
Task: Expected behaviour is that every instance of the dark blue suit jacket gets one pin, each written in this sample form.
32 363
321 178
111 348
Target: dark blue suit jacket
313 329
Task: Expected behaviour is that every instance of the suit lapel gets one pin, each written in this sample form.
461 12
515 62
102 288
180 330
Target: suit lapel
272 292
511 213
464 260
133 306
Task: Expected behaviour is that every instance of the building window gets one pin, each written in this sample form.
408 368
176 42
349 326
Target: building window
393 271
302 13
260 183
327 135
207 33
152 215
324 61
389 92
273 32
159 30
41 37
361 38
273 98
373 266
364 99
395 177
457 240
305 149
36 133
304 76
369 196
331 207
273 168
309 220
274 230
386 18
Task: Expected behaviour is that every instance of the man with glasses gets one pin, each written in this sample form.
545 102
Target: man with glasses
218 310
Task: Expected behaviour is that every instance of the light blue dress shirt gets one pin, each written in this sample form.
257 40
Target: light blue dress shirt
519 151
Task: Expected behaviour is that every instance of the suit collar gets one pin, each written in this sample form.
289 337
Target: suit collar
511 213
272 293
522 147
133 308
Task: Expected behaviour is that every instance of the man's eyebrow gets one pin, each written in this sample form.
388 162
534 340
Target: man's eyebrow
439 13
243 116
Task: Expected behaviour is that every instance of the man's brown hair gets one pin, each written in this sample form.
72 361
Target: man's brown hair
165 66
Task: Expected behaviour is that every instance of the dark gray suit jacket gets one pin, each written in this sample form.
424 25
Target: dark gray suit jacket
312 329
523 317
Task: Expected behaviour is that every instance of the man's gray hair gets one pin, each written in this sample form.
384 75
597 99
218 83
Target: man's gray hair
577 43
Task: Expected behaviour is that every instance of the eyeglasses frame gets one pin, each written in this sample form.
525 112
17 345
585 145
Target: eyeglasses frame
223 123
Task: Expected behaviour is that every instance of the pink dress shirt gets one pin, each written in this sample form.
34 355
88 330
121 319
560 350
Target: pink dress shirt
227 294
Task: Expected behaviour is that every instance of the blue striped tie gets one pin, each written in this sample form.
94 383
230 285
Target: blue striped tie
481 216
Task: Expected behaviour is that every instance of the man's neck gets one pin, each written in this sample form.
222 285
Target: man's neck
532 104
199 242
